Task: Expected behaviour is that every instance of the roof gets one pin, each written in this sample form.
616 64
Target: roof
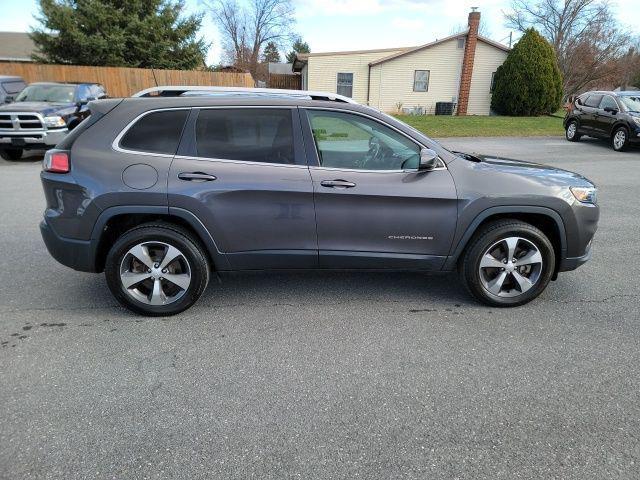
438 42
16 46
301 58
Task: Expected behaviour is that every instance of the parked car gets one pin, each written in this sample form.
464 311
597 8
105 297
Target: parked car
614 116
159 192
42 114
10 86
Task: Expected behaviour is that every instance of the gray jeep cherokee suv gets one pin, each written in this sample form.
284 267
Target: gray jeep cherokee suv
159 192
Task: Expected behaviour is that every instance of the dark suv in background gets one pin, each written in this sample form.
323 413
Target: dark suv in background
42 114
158 192
614 116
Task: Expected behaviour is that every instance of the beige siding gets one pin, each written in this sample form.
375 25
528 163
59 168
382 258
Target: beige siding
392 81
487 61
323 71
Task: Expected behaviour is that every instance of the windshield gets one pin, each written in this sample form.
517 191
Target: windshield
47 93
631 102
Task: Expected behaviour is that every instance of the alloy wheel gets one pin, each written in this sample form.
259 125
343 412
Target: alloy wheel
155 273
510 267
571 130
619 139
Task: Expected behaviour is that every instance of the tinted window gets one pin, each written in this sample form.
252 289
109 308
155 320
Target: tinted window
254 135
593 101
345 140
608 102
157 132
96 91
13 87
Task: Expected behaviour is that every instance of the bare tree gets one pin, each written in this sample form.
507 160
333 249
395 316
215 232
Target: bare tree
588 41
248 27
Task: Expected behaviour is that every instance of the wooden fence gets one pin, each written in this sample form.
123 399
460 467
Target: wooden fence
288 82
121 81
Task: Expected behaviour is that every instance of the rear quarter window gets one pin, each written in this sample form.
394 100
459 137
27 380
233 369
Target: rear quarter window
13 87
156 132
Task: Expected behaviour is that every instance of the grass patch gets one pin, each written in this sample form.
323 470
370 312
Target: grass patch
484 126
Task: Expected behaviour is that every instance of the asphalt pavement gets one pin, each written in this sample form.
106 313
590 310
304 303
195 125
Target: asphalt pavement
326 375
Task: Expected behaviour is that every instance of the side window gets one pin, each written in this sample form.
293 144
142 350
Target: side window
83 93
13 87
156 132
421 80
97 91
608 102
593 101
345 84
345 140
493 82
248 134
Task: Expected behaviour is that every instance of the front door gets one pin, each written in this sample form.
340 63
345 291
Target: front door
242 171
605 116
374 209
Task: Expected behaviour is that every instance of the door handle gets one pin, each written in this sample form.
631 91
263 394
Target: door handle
337 184
196 177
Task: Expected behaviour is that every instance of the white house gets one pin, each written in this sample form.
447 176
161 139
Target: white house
457 69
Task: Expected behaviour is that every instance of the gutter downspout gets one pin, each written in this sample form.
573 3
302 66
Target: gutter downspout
368 83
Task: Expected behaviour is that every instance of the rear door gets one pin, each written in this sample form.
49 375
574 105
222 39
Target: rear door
590 109
374 209
242 171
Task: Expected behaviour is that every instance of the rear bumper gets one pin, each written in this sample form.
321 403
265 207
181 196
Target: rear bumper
76 254
40 139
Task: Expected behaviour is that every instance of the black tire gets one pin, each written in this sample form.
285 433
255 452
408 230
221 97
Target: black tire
615 143
572 133
167 234
489 235
12 154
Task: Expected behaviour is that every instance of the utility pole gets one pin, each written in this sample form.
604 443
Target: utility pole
510 38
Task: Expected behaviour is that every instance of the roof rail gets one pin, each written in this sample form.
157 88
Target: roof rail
177 90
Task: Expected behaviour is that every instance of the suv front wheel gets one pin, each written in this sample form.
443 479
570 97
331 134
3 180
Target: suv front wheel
508 263
11 153
620 139
157 270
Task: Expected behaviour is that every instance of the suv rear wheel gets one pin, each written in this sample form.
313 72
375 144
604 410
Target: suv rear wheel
11 153
508 263
572 131
157 270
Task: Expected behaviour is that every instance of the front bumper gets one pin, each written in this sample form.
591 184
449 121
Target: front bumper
571 263
40 139
76 254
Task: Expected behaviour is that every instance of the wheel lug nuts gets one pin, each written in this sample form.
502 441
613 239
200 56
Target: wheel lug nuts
156 265
148 270
164 270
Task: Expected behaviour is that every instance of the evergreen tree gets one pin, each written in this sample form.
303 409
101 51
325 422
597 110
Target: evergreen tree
298 47
529 82
124 33
271 53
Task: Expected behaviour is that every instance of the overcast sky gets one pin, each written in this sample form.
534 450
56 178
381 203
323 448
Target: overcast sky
333 25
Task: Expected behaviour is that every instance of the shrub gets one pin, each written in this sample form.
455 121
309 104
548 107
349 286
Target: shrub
529 82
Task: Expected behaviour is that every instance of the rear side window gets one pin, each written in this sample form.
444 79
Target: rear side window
13 87
156 132
593 101
254 135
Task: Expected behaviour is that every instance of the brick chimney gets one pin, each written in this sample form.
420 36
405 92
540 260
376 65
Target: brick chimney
467 61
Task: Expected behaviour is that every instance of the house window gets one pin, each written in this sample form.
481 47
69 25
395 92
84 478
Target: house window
493 82
345 84
421 80
461 42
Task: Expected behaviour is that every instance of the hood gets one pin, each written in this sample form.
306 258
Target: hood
44 108
544 174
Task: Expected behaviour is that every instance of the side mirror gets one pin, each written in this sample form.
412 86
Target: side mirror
81 103
611 110
428 159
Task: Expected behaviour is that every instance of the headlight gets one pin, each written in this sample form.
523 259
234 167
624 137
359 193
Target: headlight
55 122
637 120
584 194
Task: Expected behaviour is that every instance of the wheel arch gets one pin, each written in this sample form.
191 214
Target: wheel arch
543 218
114 221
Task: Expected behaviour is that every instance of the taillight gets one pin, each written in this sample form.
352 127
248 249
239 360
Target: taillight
56 161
